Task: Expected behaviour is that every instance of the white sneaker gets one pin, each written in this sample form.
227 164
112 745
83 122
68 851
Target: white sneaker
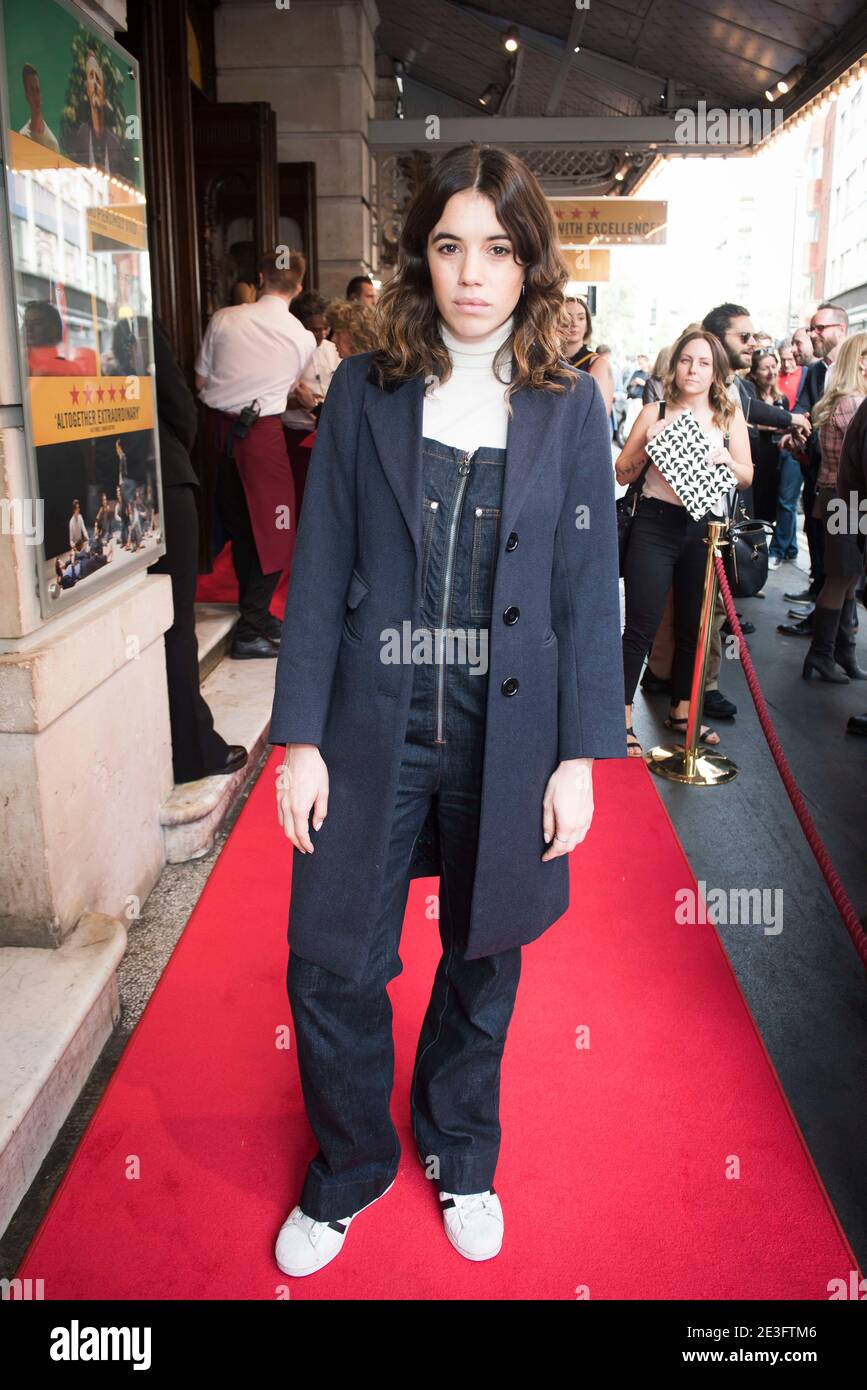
774 562
305 1245
474 1223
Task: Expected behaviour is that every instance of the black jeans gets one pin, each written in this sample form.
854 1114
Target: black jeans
343 1029
666 549
814 527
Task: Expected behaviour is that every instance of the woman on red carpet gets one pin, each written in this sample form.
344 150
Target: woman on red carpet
450 668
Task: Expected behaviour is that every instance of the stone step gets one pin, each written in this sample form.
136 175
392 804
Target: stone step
58 1009
215 623
240 695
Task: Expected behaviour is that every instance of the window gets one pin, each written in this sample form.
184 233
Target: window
812 226
815 162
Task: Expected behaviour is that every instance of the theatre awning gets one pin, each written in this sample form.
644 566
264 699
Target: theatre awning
604 89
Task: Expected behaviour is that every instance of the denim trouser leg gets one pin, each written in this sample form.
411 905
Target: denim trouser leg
784 544
343 1030
454 1097
343 1033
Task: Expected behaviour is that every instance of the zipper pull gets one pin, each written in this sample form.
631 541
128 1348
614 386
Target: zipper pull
464 465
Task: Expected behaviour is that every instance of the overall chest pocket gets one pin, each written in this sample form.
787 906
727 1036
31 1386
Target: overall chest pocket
358 590
486 534
430 509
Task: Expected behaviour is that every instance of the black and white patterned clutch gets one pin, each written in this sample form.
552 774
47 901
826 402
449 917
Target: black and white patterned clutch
681 452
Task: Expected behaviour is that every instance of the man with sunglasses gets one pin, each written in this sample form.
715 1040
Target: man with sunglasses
733 326
828 328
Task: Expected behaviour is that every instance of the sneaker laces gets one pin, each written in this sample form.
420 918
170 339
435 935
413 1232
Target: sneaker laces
311 1226
474 1202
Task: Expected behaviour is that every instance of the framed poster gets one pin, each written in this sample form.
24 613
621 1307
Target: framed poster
75 203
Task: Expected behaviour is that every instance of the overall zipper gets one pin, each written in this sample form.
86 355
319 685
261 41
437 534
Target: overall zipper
454 523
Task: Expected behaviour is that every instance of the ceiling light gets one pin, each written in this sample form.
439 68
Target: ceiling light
511 42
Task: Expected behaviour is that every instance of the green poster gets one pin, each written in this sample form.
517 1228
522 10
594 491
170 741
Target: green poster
77 219
71 89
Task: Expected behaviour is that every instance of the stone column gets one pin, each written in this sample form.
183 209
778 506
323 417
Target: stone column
313 61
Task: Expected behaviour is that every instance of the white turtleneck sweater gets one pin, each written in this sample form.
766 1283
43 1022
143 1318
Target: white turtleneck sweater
469 410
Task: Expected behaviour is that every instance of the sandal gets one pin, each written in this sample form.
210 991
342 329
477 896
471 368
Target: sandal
630 734
679 726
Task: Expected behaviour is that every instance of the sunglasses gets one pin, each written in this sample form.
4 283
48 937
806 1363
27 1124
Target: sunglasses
746 337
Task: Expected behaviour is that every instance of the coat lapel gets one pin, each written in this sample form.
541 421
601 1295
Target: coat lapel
396 418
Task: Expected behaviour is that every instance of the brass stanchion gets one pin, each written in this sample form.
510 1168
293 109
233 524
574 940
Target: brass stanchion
685 763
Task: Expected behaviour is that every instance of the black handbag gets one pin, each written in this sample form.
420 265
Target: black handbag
626 506
746 556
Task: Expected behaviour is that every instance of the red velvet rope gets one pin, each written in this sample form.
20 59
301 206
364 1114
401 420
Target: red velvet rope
823 859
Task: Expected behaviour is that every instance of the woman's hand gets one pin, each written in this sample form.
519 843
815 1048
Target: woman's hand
567 806
302 784
632 457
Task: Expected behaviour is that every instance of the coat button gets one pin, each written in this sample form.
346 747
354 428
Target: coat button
509 686
512 541
511 615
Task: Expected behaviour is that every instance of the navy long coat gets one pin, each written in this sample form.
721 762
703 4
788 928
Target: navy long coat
358 547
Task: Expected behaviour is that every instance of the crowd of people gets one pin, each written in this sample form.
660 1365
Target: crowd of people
774 416
797 398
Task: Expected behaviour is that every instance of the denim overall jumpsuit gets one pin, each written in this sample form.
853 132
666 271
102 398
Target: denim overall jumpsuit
343 1028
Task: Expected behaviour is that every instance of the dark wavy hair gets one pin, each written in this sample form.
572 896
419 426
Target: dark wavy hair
407 317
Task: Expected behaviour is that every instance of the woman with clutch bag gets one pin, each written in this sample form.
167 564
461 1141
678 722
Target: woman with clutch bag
666 542
460 487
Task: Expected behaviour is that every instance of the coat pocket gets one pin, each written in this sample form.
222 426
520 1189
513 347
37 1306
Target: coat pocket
358 589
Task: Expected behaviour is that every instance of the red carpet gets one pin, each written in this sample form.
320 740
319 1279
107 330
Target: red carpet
613 1169
221 586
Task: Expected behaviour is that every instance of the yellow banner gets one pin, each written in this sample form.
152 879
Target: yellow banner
85 407
609 221
25 153
116 227
590 265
